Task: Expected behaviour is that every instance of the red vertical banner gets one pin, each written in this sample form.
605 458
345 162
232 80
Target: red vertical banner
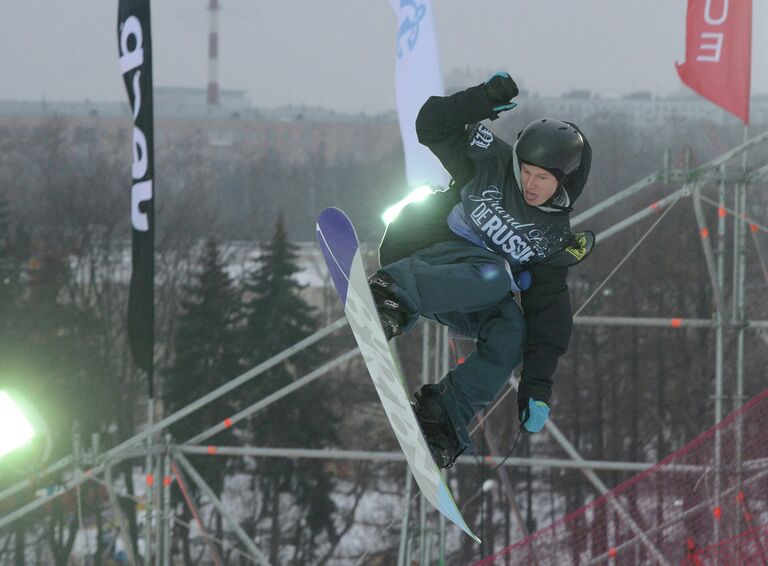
718 53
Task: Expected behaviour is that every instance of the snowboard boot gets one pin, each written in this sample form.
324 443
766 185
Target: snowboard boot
392 314
438 430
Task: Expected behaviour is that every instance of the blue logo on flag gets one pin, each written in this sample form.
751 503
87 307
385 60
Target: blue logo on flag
410 26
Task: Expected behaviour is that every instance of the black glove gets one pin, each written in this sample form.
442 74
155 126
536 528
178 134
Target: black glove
500 88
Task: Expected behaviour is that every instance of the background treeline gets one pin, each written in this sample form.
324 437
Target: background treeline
631 394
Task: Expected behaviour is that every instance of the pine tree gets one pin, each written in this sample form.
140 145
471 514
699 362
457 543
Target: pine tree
49 348
13 253
277 317
205 346
205 357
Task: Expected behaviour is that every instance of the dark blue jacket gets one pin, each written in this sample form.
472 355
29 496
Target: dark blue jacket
484 204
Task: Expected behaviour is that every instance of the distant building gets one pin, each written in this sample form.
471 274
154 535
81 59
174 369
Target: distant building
181 114
299 133
170 100
642 109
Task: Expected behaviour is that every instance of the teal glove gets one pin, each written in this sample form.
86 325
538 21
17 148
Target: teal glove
534 415
505 107
500 89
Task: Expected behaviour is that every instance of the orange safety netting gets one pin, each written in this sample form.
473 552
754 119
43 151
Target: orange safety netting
685 511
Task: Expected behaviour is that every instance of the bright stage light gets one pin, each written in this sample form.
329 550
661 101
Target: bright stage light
417 194
15 428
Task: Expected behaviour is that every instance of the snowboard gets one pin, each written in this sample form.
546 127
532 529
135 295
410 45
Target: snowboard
341 250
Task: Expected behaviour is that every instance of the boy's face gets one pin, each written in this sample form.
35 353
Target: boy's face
538 184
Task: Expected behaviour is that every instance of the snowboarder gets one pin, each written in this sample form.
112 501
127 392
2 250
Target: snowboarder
501 227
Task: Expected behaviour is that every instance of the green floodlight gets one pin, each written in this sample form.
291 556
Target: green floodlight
417 194
16 430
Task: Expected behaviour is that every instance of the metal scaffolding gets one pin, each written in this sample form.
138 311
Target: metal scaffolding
165 456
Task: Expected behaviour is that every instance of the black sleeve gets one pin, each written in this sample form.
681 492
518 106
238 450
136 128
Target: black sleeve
441 126
549 318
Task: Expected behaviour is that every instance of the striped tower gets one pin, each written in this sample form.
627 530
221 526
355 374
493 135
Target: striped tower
213 54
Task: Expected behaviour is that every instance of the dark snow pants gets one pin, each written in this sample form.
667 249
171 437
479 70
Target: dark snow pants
468 289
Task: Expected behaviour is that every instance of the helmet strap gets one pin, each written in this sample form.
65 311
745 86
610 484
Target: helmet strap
560 196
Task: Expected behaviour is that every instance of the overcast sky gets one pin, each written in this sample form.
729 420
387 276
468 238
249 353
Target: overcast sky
340 53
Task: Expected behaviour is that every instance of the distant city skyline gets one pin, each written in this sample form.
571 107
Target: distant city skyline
340 55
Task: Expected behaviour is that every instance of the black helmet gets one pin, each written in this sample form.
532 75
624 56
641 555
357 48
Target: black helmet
552 145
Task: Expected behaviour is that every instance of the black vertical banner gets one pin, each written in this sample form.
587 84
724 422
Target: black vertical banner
135 49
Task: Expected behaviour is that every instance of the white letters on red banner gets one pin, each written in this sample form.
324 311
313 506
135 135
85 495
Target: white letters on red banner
718 50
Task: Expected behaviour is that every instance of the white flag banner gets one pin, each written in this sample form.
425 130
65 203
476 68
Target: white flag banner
417 77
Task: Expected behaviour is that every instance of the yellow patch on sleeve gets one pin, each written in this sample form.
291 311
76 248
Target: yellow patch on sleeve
581 251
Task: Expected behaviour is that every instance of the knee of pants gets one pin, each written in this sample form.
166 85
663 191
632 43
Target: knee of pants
501 340
494 279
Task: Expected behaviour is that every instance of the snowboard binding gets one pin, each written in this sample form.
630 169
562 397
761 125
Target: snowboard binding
439 432
392 314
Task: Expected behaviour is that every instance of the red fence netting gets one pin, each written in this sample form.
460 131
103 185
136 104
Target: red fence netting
705 504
